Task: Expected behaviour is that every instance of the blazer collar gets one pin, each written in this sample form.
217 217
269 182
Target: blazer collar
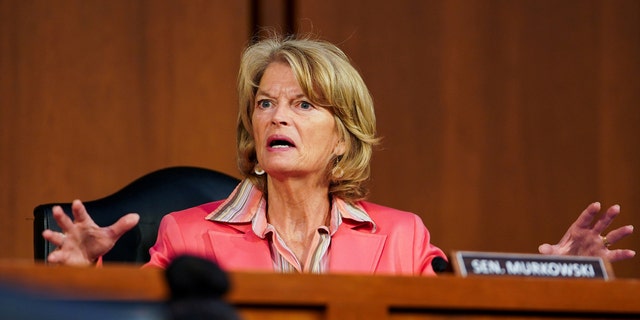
246 201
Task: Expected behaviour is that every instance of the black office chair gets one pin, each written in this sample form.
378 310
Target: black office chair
152 196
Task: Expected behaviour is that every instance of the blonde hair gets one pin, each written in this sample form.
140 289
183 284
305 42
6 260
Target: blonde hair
328 79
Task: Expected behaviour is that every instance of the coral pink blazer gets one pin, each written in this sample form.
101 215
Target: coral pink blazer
400 244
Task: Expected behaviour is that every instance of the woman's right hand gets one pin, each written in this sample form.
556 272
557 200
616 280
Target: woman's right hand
82 241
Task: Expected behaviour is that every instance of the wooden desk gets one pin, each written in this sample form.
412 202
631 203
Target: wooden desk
276 296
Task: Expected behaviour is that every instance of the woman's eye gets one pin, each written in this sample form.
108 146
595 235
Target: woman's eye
264 104
305 105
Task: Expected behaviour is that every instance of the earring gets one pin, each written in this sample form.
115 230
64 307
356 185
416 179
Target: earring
257 169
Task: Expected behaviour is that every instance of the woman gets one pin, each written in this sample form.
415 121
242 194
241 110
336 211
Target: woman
306 130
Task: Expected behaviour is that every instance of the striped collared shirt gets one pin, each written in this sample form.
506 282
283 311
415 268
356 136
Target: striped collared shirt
247 204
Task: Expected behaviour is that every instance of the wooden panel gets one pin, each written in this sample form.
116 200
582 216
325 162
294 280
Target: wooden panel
272 16
344 296
619 115
501 120
97 93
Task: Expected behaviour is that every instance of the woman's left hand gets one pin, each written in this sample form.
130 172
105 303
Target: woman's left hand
584 237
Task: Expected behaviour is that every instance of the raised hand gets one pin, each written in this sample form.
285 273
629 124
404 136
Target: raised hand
584 237
82 241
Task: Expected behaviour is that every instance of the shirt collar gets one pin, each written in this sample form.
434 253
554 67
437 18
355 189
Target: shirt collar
246 201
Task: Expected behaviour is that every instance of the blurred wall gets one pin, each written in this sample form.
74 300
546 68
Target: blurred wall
501 120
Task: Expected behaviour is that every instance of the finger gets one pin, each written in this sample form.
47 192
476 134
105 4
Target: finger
57 238
620 254
62 219
586 217
615 235
124 224
57 256
545 248
54 257
80 213
604 221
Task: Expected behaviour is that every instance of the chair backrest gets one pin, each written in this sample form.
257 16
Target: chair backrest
152 196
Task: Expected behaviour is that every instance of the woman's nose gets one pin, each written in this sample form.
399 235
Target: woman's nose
281 115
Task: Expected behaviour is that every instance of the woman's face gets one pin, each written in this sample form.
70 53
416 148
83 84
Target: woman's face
294 138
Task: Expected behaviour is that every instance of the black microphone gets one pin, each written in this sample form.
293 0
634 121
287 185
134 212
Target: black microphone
439 264
196 288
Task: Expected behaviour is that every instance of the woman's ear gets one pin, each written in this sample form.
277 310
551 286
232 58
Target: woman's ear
340 148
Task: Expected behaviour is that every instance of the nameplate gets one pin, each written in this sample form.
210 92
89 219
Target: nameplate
472 263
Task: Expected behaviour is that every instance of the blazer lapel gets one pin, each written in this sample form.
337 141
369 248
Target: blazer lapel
241 251
355 251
